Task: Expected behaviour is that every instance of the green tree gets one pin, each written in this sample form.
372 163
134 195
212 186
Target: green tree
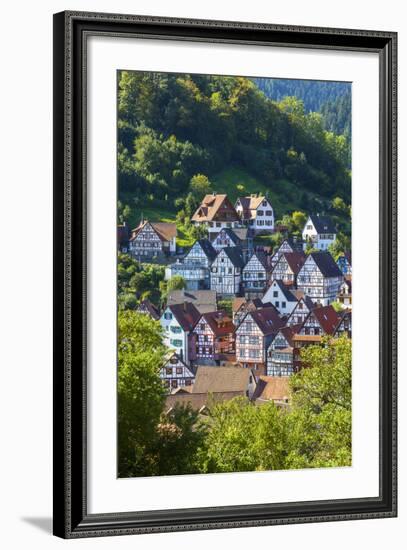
200 186
299 219
341 244
181 435
243 437
140 392
320 421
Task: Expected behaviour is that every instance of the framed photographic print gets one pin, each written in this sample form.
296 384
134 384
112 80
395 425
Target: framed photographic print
225 274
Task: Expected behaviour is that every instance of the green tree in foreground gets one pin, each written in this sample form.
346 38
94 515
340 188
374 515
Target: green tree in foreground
314 431
140 391
320 421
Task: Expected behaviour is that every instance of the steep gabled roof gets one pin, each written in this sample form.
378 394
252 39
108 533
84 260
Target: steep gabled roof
221 379
186 314
199 401
210 207
231 234
261 257
165 231
322 224
235 255
342 316
300 295
250 204
219 322
288 294
327 318
173 354
203 300
207 249
275 388
295 260
326 264
267 319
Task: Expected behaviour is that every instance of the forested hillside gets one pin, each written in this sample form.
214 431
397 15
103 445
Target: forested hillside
313 93
172 127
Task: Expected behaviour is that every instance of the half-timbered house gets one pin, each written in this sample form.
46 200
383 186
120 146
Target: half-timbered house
281 297
255 276
300 311
215 212
177 322
344 326
195 267
240 306
226 271
287 268
321 321
225 237
213 338
320 278
150 240
256 212
253 336
319 232
280 360
175 373
288 245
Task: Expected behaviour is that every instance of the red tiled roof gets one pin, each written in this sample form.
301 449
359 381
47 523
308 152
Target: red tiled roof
186 314
327 318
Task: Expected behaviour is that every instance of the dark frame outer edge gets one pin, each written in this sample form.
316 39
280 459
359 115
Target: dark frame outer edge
70 511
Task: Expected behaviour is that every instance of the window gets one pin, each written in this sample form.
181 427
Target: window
167 315
309 227
269 213
218 224
168 371
260 212
277 303
230 270
179 370
228 224
176 330
174 383
300 305
275 293
188 382
253 340
264 203
283 304
176 343
202 326
220 280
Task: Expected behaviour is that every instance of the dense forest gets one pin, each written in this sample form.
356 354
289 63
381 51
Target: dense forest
172 127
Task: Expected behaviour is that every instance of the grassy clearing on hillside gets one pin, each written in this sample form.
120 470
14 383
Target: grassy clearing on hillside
235 182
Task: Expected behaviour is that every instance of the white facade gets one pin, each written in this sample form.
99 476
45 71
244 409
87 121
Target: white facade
174 335
321 290
259 216
276 296
225 276
318 240
175 374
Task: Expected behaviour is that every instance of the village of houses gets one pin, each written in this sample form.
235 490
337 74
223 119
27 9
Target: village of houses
281 301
